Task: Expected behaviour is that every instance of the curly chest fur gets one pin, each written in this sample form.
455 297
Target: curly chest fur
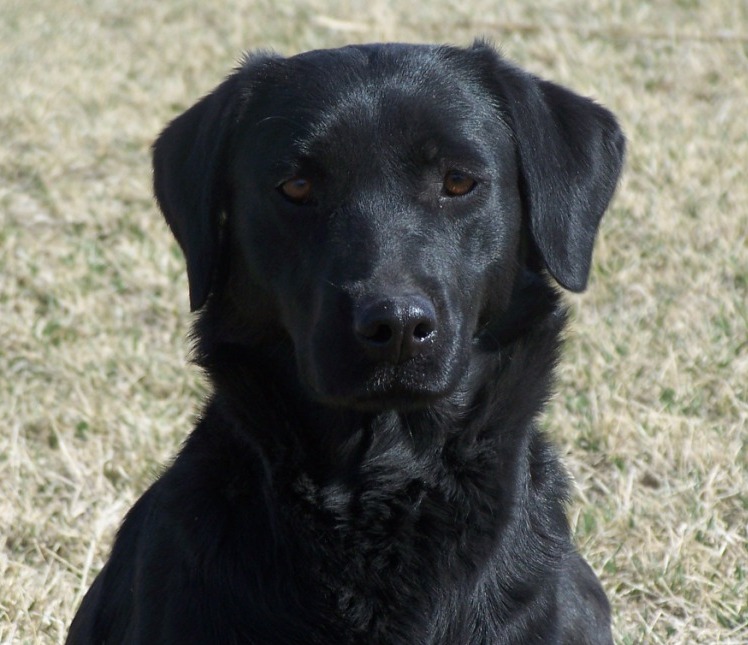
406 550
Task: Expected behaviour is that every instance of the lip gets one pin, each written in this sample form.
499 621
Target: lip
403 387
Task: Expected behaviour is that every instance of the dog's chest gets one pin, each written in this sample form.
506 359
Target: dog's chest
368 551
389 549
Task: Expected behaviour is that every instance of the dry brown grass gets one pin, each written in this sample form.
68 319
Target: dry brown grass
96 393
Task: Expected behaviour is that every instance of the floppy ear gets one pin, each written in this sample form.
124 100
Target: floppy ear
189 166
570 153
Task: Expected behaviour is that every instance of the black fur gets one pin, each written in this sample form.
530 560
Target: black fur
368 468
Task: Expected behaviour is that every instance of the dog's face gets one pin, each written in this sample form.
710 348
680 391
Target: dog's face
376 204
374 201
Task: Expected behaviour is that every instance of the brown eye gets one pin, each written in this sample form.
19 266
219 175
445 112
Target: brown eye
297 190
457 183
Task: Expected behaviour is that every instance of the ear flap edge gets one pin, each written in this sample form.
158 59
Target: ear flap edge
189 159
570 152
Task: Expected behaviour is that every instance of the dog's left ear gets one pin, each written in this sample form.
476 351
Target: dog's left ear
188 178
570 153
190 174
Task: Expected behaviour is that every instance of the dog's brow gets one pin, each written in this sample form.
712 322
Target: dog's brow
278 117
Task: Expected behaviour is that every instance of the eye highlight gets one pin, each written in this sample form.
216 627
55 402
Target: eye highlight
457 184
297 190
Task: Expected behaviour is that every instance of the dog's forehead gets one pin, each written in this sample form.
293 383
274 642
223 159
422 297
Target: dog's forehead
403 91
358 68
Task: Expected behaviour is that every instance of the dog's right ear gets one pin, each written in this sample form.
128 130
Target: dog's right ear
570 153
189 176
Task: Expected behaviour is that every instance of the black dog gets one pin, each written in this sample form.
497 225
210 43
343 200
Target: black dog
371 235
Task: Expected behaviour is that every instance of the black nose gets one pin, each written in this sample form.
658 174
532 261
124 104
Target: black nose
395 328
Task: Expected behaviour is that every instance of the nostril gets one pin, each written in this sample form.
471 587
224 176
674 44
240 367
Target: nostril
423 330
381 335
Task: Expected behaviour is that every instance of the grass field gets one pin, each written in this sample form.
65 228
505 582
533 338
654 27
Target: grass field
96 391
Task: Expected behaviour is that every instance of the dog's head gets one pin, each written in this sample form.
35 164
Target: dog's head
376 204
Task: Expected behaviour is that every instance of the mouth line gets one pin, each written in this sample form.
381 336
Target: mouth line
346 380
389 389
